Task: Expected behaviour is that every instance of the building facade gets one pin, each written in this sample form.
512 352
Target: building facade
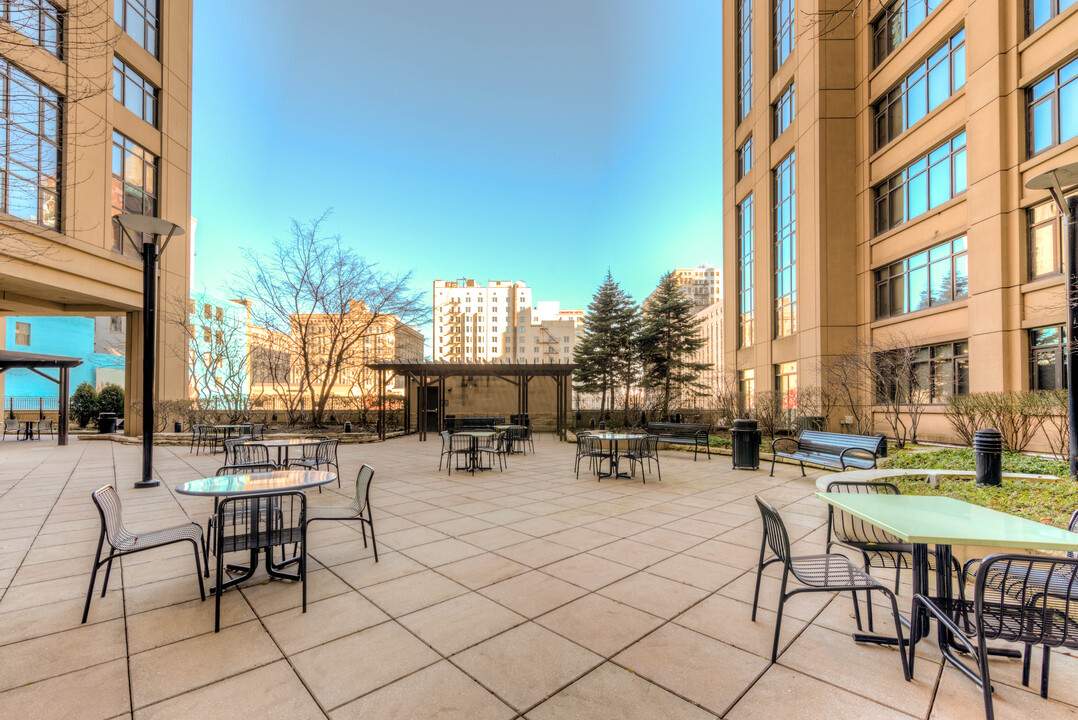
711 354
875 165
97 111
477 323
83 337
702 284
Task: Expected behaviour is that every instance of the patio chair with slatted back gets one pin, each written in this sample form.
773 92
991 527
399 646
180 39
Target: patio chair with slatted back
496 447
359 509
247 452
445 448
316 457
592 449
122 541
644 448
529 438
517 439
461 446
1028 599
258 431
46 426
818 573
11 427
580 434
211 522
260 522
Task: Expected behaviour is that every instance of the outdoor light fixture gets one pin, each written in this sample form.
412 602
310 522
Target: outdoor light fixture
152 229
1054 181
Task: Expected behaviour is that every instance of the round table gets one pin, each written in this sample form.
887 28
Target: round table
255 484
285 443
613 439
476 436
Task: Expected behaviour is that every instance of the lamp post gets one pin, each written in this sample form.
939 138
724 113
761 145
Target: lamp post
1054 181
151 229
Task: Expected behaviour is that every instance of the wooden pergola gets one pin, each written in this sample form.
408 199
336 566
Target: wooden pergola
36 363
430 374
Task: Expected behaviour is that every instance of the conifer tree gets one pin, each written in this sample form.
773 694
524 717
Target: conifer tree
669 336
605 354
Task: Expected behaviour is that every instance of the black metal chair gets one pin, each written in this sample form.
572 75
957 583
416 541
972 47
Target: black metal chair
529 438
461 446
241 451
124 542
258 431
45 426
496 448
818 573
517 438
211 521
359 509
591 448
1029 599
260 522
445 448
12 427
644 448
315 457
579 449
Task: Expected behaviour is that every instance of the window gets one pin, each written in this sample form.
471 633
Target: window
220 315
30 132
786 384
1041 11
784 31
116 323
1045 231
1053 109
744 58
744 158
206 336
896 23
1048 358
134 185
22 333
930 181
138 18
746 385
782 112
38 20
934 373
936 276
746 303
785 248
207 311
133 91
922 91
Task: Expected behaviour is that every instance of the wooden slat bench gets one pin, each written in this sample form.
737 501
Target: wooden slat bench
833 450
695 434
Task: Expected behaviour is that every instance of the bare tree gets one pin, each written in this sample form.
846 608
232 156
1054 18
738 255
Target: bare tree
850 374
327 304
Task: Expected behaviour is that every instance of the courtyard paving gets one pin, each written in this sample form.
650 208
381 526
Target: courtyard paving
525 593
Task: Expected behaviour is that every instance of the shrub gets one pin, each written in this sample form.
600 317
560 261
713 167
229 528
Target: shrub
963 414
83 404
111 399
1056 421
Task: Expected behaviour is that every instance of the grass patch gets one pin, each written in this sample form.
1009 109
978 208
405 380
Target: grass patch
1050 501
962 459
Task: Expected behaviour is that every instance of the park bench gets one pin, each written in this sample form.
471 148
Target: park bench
695 434
833 450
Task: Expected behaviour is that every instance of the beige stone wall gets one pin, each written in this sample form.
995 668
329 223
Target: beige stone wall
75 272
837 168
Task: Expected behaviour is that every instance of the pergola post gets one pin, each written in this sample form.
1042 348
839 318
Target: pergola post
421 409
381 404
61 409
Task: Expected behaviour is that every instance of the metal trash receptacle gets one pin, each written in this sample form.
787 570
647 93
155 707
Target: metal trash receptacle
106 423
988 456
745 439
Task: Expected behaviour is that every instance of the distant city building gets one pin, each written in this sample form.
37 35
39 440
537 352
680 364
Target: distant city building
496 322
99 342
219 350
703 284
711 353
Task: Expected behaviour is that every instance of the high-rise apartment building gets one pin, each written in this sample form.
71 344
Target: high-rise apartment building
874 167
477 323
96 116
703 284
710 354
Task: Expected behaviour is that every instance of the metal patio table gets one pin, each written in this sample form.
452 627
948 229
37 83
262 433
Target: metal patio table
612 439
227 429
944 522
476 436
285 444
256 485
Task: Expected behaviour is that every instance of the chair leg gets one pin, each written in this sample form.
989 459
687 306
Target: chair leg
759 573
898 577
374 545
986 682
1044 671
772 473
898 630
1026 653
198 572
778 618
802 468
218 592
303 564
868 598
108 571
856 610
93 576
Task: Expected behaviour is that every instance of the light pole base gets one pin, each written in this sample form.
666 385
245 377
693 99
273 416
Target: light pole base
147 483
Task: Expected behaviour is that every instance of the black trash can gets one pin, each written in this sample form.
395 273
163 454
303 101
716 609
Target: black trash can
988 454
348 426
106 423
177 427
746 445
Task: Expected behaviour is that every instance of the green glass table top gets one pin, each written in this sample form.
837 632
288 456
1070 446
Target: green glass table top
946 521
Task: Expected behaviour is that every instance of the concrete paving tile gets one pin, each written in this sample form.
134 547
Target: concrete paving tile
409 538
413 592
600 624
345 669
495 538
588 571
442 552
45 657
204 659
695 571
632 553
525 665
440 691
294 630
668 539
54 617
270 691
272 596
97 692
390 566
482 570
653 594
784 693
730 621
536 553
611 693
461 622
532 593
172 623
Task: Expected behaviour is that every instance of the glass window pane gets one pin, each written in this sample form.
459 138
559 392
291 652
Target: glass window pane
939 84
939 183
918 195
919 289
1068 111
940 272
898 296
960 171
958 73
1043 249
961 277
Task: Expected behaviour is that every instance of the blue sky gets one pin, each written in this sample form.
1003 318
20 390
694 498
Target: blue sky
493 139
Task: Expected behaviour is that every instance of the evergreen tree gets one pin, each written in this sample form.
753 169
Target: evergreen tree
669 335
604 354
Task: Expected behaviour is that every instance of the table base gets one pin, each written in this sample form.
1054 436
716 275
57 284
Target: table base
274 569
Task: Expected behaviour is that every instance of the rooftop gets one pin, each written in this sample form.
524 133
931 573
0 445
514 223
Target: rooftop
524 593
